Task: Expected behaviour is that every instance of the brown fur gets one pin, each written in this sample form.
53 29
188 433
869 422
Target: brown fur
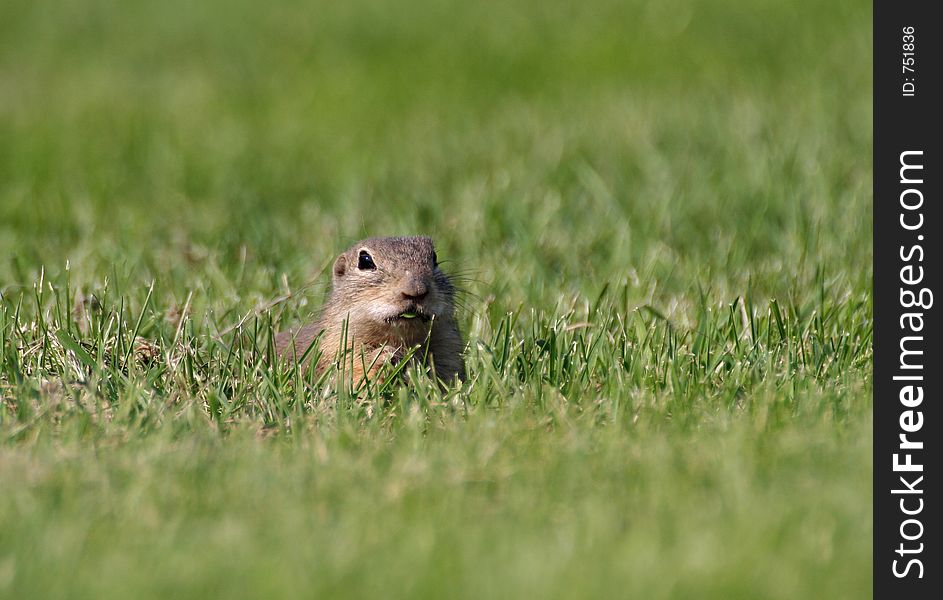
406 279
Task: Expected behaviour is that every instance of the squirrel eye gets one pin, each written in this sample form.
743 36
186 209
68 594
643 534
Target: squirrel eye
366 261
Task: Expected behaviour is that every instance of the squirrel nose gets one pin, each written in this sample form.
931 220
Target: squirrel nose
415 290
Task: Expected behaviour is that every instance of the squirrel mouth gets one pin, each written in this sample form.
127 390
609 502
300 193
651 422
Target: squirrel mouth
411 315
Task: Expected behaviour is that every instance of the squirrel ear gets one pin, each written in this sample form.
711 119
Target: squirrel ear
340 266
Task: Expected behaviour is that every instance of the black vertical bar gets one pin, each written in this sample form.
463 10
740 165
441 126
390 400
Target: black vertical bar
907 272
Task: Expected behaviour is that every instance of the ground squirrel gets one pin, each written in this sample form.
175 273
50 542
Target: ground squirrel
393 297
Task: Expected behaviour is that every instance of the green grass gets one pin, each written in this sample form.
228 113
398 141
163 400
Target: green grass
662 212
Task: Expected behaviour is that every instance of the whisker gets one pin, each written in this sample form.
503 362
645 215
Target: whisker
463 295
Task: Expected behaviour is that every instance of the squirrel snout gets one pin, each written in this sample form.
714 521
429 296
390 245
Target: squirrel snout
414 290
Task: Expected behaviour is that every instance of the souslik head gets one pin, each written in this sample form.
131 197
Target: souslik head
392 285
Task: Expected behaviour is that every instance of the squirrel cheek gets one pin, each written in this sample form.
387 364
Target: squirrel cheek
378 312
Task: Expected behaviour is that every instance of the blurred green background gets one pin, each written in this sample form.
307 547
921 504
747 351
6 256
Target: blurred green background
681 157
544 142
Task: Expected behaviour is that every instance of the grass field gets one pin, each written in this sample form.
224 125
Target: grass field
662 214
